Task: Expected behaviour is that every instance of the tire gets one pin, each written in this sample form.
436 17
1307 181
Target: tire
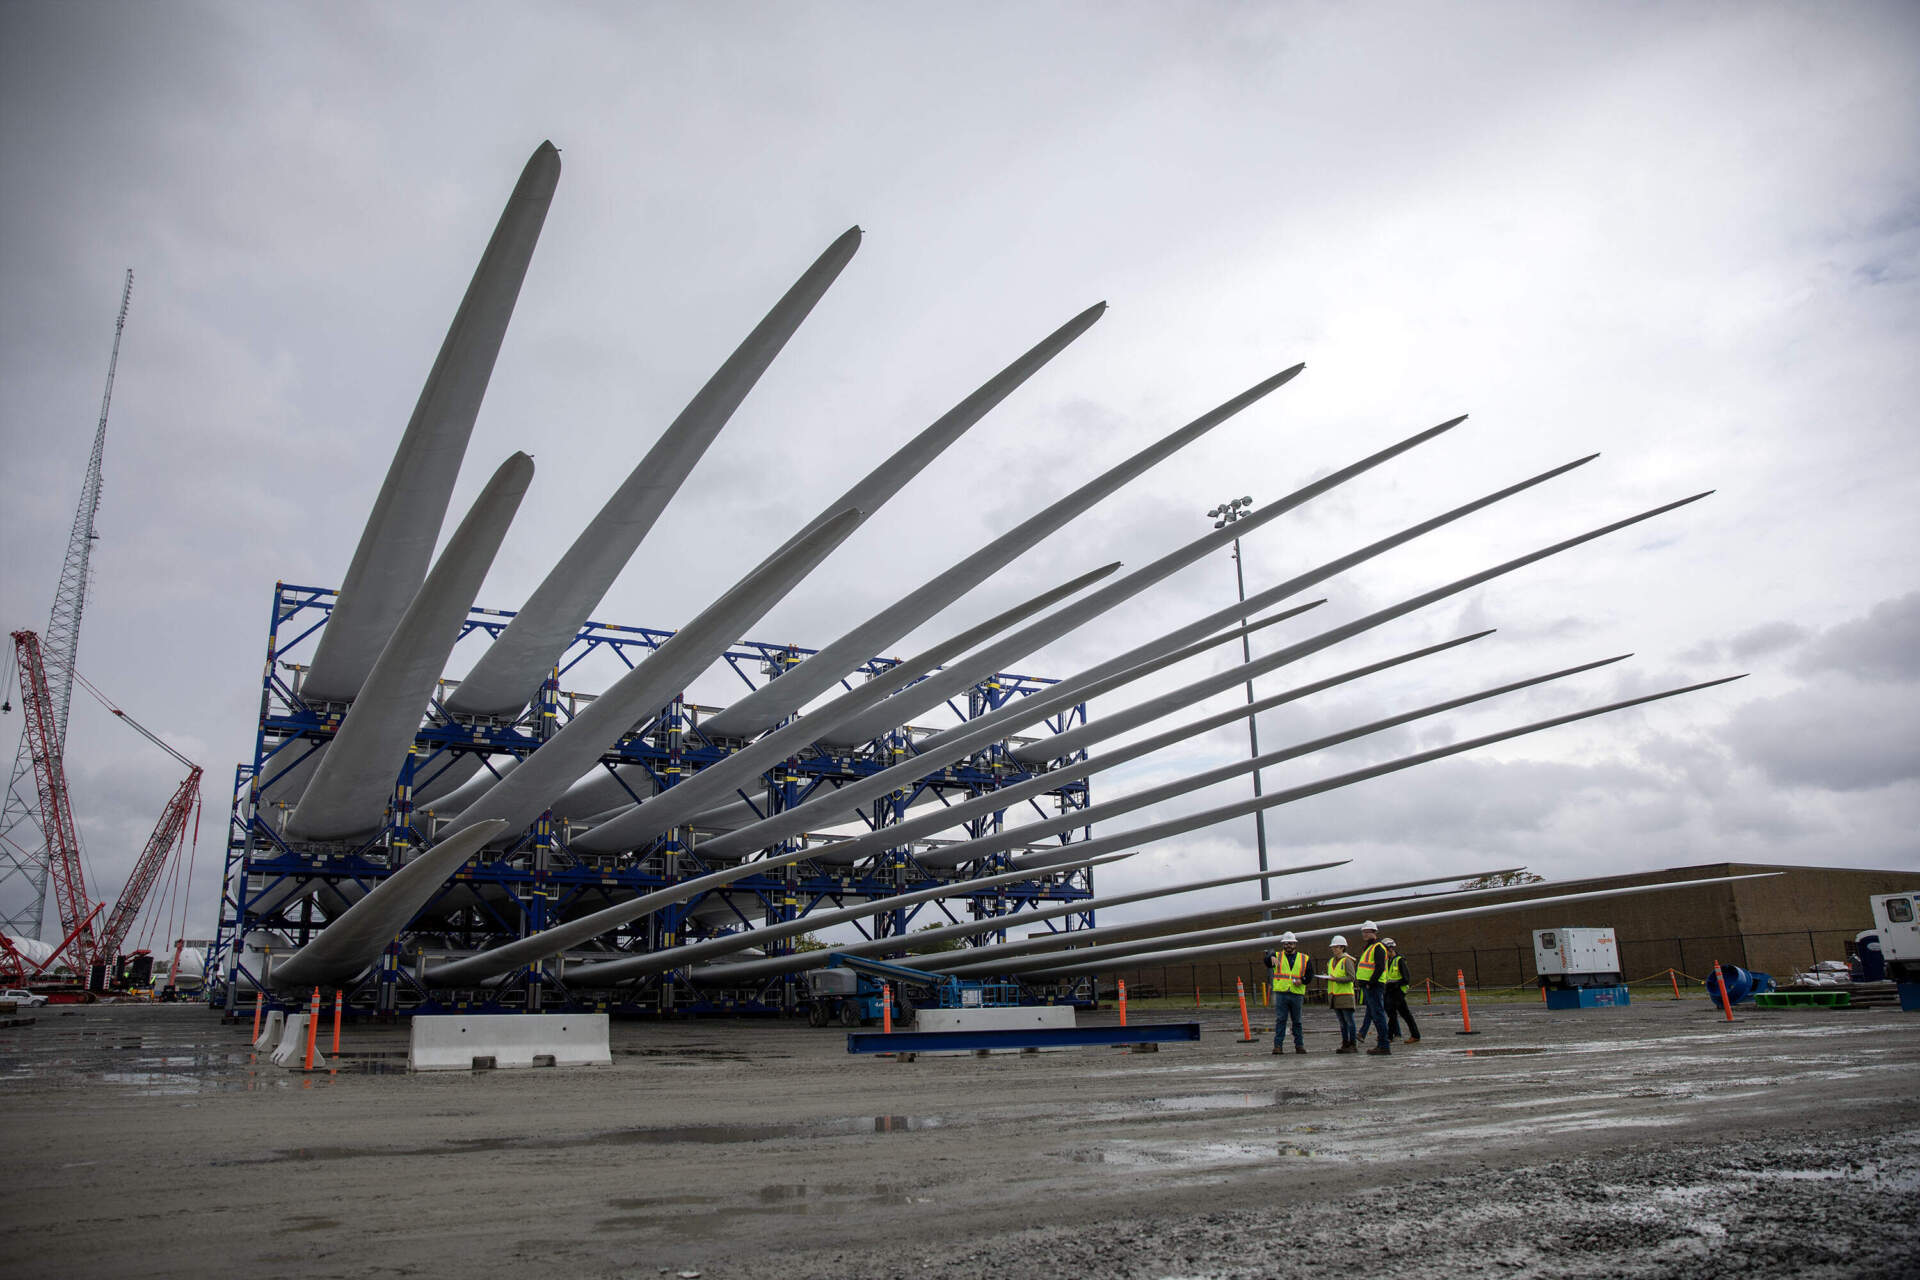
816 1014
849 1014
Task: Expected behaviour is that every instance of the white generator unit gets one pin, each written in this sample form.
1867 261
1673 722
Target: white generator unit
1580 968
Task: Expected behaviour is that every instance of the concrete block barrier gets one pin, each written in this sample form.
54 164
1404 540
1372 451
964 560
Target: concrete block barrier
462 1042
293 1046
270 1031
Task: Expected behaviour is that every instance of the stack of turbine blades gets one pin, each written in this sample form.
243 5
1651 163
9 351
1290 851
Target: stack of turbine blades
1088 684
744 813
931 693
1220 922
609 972
741 971
510 671
692 798
1093 961
1027 833
997 801
778 699
348 793
830 809
1240 809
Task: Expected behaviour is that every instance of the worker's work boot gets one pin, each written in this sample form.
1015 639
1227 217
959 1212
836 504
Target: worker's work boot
1413 1039
1377 1050
1278 1049
1299 1048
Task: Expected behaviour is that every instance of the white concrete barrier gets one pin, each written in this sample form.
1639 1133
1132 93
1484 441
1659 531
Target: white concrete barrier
270 1030
293 1045
461 1042
1016 1019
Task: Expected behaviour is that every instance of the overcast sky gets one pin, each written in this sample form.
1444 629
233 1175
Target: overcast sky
1683 236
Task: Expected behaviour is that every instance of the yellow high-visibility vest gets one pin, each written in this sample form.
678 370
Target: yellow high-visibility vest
1289 975
1372 960
1340 976
1394 972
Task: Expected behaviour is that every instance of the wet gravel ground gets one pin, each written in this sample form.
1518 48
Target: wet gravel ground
1651 1141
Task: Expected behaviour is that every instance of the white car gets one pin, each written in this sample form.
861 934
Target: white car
22 997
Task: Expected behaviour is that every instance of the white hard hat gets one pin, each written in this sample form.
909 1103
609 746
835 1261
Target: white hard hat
1368 926
1339 940
1388 942
1286 938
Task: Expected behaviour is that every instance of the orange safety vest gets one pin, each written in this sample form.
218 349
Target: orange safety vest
1289 978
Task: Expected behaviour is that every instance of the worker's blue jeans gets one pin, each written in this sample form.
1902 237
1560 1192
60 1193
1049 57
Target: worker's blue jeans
1346 1025
1287 1005
1377 1012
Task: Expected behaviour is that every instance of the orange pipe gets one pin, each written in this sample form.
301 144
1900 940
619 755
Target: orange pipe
256 1015
1246 1027
336 1023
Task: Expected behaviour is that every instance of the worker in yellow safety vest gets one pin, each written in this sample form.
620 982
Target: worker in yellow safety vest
1397 1007
1291 973
1339 976
1371 973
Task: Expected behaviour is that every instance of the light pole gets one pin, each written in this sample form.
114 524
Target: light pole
1223 515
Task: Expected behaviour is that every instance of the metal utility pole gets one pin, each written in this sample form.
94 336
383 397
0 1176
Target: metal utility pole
1223 515
25 850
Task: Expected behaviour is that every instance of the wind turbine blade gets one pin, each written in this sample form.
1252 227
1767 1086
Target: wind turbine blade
355 779
522 795
396 544
1208 817
350 944
720 780
778 699
510 671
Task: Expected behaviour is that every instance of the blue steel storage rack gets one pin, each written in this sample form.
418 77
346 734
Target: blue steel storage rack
281 887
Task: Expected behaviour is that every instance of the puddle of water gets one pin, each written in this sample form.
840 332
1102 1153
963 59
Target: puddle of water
1495 1053
1132 1156
836 1127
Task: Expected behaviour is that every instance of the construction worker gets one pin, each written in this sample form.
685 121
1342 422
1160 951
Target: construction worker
1339 978
1291 971
1397 1008
1371 973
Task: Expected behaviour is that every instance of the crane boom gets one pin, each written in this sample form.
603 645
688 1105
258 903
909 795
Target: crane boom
169 832
20 859
41 741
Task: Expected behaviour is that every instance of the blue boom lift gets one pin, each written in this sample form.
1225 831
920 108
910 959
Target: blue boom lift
847 991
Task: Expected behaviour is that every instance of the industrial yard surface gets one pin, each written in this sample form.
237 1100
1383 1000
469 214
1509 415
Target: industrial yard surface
1651 1141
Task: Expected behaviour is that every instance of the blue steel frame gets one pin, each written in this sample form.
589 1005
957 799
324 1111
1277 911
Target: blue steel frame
284 887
